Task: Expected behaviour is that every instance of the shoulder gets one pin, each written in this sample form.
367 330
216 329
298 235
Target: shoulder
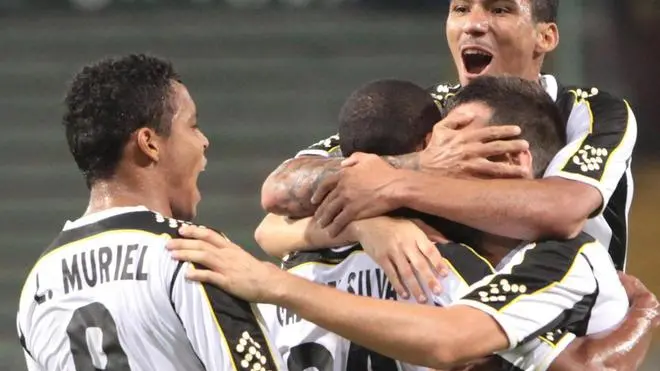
327 257
443 91
606 111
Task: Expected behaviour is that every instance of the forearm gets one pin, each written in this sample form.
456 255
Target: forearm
418 334
279 235
288 190
515 208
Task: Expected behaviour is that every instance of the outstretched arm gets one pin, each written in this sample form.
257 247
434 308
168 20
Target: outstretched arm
426 335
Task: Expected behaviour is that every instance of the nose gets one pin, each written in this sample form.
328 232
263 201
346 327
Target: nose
205 141
477 22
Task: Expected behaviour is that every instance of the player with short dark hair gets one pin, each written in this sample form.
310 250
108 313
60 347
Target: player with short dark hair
106 294
367 117
587 186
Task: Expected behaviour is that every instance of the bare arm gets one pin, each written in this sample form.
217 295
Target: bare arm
524 209
280 235
528 209
288 190
423 332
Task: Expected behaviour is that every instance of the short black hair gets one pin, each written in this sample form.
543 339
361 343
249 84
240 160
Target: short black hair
393 117
520 102
109 100
545 10
386 117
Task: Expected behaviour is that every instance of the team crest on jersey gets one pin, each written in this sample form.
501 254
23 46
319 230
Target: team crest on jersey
500 292
440 93
250 351
590 158
585 93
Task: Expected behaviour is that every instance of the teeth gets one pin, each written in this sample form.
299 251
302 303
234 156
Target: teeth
476 52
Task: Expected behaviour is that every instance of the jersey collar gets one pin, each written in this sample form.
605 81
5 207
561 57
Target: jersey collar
95 217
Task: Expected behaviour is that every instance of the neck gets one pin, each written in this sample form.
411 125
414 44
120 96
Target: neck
107 194
494 248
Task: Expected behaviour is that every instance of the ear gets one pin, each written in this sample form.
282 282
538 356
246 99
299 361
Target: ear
525 160
149 143
547 37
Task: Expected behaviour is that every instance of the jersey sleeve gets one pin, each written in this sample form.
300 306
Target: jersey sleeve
545 286
601 135
328 147
220 327
537 354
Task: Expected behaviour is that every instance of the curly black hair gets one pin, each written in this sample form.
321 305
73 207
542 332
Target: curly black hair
109 100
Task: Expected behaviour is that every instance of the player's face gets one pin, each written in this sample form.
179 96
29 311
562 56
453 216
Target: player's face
495 37
184 155
483 114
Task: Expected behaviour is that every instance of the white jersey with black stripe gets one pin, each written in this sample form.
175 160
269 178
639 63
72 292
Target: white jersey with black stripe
107 295
542 296
571 285
601 132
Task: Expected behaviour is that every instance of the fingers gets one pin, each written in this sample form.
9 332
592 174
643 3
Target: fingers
409 279
485 167
354 159
341 221
205 234
489 133
328 210
205 275
426 272
327 185
394 278
500 147
456 120
201 257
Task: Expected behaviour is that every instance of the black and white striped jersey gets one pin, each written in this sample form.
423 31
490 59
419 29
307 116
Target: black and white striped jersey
542 296
601 131
107 295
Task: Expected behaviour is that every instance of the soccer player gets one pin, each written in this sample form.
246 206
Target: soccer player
394 117
540 286
106 294
588 185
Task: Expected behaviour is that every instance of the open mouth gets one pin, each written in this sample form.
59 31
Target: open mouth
476 60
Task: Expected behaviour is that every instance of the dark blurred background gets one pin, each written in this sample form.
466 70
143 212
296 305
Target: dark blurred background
269 77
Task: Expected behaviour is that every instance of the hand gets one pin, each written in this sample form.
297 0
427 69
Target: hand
456 150
409 259
361 190
227 265
641 298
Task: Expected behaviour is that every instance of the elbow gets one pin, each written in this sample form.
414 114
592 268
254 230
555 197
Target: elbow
443 355
563 229
270 196
560 220
261 236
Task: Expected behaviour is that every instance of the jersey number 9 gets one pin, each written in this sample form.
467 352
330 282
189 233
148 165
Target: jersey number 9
89 325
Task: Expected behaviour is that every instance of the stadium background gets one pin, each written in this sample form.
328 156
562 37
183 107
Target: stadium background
268 77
